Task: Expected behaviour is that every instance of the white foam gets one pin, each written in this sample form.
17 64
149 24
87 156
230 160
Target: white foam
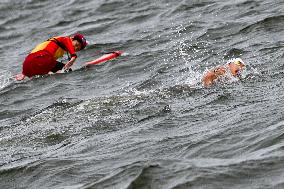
5 78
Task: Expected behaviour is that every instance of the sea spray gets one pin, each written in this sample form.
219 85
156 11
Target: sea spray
5 79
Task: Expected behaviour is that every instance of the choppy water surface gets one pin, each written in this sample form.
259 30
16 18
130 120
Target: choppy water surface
144 120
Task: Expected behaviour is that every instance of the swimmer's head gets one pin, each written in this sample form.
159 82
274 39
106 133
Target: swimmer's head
236 66
239 62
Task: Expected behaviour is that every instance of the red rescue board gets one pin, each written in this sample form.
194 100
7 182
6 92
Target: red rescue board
104 58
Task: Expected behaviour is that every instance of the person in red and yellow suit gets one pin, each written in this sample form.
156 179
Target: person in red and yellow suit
43 58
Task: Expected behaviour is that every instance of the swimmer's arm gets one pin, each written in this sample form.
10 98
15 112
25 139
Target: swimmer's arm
208 78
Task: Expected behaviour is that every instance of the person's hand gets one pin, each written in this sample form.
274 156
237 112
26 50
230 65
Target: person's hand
69 64
20 77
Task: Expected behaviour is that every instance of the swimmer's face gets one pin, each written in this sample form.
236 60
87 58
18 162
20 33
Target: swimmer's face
236 67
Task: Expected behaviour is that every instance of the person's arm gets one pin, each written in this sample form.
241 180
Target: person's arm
70 63
69 47
208 78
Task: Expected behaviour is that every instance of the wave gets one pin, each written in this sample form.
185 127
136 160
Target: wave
6 79
272 24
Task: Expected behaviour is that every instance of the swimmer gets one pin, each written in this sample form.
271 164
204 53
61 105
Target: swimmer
234 67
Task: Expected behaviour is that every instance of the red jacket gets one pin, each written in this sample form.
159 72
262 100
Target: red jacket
57 46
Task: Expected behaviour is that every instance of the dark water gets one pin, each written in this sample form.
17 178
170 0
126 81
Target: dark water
144 120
